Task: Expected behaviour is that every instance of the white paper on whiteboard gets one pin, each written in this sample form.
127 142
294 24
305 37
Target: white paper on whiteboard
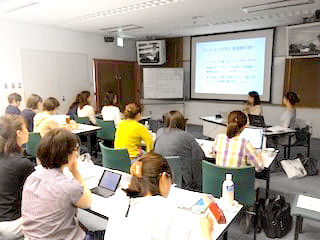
159 83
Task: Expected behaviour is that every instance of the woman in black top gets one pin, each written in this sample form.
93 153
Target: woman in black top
14 169
33 104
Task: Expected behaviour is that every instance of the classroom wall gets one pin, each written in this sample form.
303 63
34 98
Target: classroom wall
194 109
16 36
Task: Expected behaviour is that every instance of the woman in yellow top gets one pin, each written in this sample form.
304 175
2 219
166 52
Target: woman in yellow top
130 132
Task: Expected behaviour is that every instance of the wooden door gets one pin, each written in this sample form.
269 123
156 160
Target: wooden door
121 77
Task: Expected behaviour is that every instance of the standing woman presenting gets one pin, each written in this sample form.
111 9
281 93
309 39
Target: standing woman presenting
130 132
14 170
84 107
253 105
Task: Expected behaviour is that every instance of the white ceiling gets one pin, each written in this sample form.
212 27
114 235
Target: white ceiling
154 18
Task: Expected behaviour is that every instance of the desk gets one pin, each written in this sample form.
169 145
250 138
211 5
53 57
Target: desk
90 132
213 126
105 207
300 213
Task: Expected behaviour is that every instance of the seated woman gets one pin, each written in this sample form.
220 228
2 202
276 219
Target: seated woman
150 215
50 198
111 112
130 132
33 105
44 121
231 150
84 107
14 169
288 118
173 140
253 106
74 107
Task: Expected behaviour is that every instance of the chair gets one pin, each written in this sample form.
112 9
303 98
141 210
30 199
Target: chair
108 130
243 179
175 165
83 120
303 137
115 158
32 144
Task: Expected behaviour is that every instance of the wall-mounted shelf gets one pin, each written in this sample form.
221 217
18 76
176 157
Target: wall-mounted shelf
303 40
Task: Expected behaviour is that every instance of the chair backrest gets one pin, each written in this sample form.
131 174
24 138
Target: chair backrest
115 158
108 130
175 165
32 144
243 179
83 120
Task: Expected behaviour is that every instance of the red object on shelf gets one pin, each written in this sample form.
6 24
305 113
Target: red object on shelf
217 213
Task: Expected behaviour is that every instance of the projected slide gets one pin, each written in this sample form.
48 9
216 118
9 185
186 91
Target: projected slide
230 67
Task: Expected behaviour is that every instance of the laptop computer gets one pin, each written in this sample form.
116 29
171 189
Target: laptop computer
256 120
108 184
254 136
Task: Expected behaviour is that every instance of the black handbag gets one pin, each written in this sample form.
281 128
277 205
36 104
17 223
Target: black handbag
275 217
309 164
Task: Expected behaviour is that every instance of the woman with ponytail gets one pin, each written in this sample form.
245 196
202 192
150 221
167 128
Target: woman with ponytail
130 132
150 215
231 150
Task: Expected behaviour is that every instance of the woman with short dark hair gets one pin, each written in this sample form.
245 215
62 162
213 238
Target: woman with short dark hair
50 198
44 122
231 150
14 169
84 107
33 106
288 118
130 132
253 105
173 140
150 215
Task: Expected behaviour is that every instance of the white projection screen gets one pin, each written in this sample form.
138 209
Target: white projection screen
228 66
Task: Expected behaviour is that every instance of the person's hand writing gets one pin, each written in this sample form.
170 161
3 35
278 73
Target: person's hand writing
206 226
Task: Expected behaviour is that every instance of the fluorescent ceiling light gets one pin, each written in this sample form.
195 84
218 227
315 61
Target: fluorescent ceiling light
13 5
120 10
275 5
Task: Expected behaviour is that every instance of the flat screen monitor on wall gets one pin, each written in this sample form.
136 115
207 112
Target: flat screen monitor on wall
228 66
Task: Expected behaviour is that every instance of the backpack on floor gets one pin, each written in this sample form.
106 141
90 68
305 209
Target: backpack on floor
275 218
310 164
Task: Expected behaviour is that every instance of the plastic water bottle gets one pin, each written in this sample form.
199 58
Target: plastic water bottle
228 190
146 124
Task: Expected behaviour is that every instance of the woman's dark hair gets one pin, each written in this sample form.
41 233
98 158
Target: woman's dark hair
151 166
33 101
9 124
236 121
109 99
255 96
50 104
56 146
292 97
175 119
132 109
75 103
83 99
14 97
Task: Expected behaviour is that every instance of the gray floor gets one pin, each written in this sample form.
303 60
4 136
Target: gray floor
279 184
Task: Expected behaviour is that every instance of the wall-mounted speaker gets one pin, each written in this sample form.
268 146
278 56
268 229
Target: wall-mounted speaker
108 39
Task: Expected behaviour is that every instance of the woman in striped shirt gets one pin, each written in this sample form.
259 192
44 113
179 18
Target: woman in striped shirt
231 150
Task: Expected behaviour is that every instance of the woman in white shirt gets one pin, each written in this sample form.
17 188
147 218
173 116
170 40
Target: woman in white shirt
84 108
111 112
150 215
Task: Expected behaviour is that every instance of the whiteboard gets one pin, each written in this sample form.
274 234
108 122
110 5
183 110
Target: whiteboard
162 83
